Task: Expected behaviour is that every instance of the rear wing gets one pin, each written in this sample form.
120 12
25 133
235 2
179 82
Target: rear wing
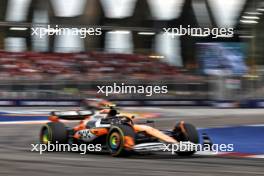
72 115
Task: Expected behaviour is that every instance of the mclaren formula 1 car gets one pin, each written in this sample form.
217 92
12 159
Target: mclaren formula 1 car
119 134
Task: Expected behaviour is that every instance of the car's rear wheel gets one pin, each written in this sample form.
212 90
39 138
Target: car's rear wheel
120 140
53 132
186 132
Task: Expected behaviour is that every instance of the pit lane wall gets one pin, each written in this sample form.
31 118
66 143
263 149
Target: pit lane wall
128 102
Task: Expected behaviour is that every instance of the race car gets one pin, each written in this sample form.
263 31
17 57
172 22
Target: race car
119 134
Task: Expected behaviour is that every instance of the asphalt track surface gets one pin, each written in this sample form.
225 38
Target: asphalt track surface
17 159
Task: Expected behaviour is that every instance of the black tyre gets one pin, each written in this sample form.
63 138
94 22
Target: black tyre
53 132
188 133
120 140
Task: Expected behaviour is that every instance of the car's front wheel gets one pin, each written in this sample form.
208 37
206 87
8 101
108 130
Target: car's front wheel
121 140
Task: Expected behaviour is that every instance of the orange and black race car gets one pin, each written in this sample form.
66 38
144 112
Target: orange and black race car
117 133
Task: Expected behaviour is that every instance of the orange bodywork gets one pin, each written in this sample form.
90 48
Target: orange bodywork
99 131
76 136
129 142
154 132
80 126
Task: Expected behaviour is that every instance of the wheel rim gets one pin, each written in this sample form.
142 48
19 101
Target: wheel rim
115 141
45 136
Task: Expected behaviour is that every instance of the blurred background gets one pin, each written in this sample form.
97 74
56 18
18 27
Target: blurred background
132 49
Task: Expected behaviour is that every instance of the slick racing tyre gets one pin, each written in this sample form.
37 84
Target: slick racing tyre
53 132
186 132
121 140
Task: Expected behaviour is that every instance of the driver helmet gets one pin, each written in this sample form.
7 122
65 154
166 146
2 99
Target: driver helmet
112 113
